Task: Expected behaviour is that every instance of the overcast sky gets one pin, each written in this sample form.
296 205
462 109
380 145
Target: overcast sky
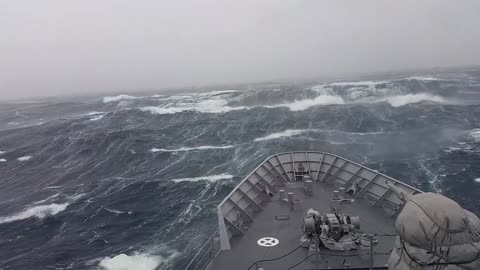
51 47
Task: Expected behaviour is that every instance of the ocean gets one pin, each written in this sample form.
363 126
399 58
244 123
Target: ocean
132 181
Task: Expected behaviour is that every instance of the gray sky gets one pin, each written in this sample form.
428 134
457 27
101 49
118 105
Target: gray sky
52 47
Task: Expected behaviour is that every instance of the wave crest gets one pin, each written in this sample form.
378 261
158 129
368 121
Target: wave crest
39 211
117 98
206 106
402 100
475 134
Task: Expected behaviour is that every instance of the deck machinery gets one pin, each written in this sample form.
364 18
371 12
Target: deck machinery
309 210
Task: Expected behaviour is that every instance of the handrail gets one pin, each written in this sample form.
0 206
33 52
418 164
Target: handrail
198 262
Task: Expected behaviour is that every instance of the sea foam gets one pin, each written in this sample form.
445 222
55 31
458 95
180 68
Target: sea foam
475 134
402 100
3 160
282 134
25 158
209 178
117 98
133 262
206 106
39 211
303 104
184 149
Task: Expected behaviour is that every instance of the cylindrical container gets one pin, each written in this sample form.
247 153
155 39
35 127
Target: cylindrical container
291 197
309 186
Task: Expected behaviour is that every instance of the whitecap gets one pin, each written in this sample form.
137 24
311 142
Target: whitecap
303 104
3 160
114 211
422 78
97 117
209 178
206 106
117 98
475 134
2 152
282 134
402 100
25 158
95 113
477 180
133 262
39 211
359 83
183 149
53 187
218 92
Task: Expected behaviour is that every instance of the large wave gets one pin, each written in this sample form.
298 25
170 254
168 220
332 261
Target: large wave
394 92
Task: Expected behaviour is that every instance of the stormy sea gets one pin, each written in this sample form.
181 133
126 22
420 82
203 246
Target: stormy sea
132 181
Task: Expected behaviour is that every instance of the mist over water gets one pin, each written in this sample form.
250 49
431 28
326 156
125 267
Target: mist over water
133 181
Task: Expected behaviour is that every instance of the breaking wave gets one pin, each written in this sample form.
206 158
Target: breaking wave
2 152
304 104
39 211
358 83
3 160
398 101
117 98
206 106
209 178
184 149
422 78
25 158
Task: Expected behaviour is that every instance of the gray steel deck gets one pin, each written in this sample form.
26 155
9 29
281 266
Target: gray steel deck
244 250
248 213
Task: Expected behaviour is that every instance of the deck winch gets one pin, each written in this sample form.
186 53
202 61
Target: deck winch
335 230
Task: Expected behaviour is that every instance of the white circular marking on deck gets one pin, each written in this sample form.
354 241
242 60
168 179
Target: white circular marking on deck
268 242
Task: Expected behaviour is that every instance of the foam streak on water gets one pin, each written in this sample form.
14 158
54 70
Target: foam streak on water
209 178
39 211
184 149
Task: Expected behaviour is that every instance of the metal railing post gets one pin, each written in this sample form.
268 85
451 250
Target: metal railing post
370 237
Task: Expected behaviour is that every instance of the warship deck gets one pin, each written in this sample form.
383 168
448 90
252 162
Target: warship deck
245 250
254 210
